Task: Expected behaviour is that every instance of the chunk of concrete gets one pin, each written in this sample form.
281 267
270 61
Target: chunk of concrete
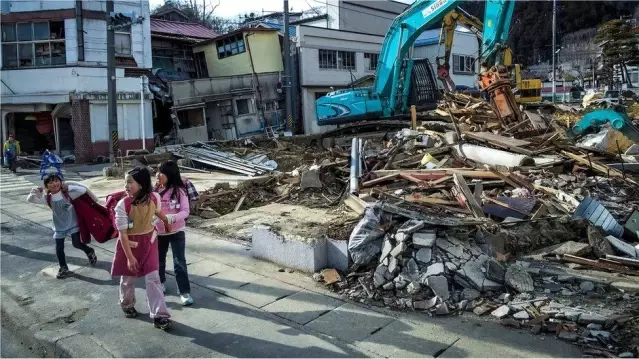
379 277
439 285
471 274
572 248
399 249
424 255
393 268
593 326
597 240
501 312
521 315
413 269
425 304
495 271
434 269
442 309
424 239
310 179
587 287
519 279
389 286
470 294
401 281
413 287
586 318
411 227
453 249
622 246
387 247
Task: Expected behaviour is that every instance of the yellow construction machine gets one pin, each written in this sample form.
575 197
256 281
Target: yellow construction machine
525 90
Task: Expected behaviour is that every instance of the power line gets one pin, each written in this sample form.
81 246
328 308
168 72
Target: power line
359 11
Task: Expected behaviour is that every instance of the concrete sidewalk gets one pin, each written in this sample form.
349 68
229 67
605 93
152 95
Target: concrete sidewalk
244 307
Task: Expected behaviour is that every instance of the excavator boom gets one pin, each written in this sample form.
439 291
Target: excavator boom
391 89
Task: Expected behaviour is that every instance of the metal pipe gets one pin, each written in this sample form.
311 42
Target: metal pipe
354 165
491 156
142 121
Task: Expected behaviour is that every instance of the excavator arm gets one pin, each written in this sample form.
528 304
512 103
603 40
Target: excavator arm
389 93
450 22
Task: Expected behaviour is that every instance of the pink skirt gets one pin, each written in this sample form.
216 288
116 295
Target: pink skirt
145 251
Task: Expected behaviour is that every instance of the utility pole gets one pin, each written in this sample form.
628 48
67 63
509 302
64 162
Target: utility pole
554 46
112 111
287 72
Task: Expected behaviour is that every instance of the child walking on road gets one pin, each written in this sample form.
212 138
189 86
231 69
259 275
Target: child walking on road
65 220
136 253
175 203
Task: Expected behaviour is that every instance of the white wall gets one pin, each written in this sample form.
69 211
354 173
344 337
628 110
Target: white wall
128 120
63 80
312 39
308 109
464 43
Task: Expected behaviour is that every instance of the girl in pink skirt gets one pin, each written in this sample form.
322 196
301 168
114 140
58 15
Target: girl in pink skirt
136 251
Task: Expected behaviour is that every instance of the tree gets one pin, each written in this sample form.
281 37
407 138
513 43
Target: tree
202 11
619 46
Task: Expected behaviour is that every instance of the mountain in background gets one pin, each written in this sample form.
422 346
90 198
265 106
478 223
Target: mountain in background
531 29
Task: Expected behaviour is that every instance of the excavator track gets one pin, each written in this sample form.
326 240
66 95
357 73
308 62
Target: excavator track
358 128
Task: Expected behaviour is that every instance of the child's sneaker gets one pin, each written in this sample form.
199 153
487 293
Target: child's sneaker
63 272
162 323
130 312
93 259
186 299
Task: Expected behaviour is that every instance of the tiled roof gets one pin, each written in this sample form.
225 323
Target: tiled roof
635 30
182 29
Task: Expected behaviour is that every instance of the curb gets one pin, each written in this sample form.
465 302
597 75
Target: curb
63 343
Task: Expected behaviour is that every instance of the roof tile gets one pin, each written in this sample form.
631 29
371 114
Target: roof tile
182 29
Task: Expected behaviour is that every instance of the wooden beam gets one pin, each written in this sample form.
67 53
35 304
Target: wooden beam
462 186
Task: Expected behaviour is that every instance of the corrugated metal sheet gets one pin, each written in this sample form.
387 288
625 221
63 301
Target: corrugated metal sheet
276 26
182 29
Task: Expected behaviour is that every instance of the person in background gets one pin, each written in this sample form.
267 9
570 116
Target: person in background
65 220
175 203
11 150
136 252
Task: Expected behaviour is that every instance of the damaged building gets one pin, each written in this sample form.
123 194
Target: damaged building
54 77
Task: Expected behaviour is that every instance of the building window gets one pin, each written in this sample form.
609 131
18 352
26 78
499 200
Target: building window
463 64
370 60
200 64
123 41
340 60
230 46
29 44
242 107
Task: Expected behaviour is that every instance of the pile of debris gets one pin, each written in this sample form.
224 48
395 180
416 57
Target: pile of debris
470 218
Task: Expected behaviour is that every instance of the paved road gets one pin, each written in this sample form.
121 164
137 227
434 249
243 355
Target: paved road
244 308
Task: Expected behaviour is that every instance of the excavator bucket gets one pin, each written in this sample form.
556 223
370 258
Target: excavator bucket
496 83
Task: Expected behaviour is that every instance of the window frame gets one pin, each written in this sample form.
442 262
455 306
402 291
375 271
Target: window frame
372 65
335 60
469 64
46 58
230 46
126 31
248 107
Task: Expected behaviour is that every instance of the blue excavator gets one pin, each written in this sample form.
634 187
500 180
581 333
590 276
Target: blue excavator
401 81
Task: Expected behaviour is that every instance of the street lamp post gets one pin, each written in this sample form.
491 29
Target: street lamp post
554 46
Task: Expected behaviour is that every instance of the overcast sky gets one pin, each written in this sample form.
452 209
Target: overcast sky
233 8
